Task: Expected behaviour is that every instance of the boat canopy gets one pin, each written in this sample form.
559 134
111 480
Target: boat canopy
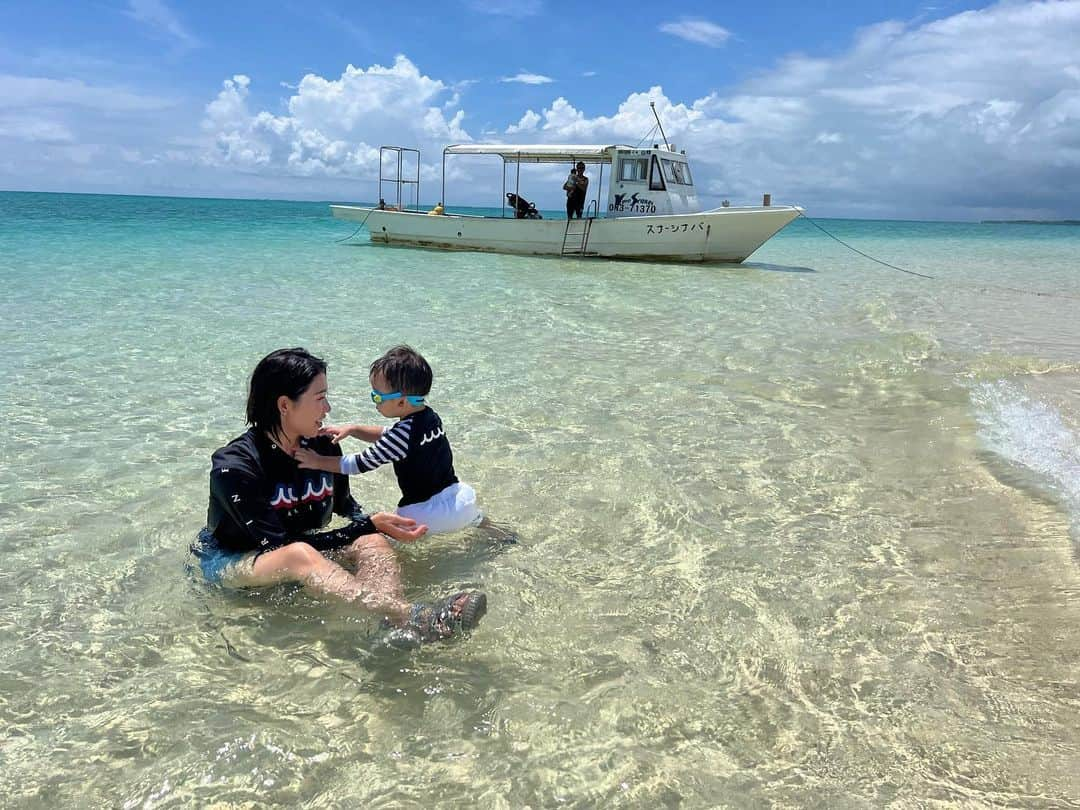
539 152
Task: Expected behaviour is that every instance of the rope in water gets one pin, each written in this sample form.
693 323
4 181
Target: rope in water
867 255
1000 287
354 233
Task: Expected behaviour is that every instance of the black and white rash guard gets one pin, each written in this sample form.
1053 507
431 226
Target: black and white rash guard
420 452
260 499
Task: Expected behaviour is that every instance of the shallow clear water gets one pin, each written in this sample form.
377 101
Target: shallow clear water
800 532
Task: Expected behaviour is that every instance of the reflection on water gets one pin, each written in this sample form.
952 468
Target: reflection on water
785 538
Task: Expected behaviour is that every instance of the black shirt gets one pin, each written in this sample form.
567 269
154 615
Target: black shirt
260 499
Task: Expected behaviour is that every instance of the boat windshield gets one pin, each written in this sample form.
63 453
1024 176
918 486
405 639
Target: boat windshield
675 171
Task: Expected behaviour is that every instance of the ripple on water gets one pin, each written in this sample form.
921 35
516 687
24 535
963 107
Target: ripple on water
786 538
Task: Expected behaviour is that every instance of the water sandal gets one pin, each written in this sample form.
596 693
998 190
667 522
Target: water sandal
397 638
444 618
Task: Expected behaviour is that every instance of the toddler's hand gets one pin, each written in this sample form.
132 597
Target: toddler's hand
308 459
335 432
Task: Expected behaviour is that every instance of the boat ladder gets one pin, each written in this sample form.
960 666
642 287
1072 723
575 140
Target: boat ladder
576 237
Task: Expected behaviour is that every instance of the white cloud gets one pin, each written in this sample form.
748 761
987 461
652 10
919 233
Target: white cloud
52 130
159 17
34 129
699 31
976 115
32 91
333 127
229 109
947 119
527 123
527 78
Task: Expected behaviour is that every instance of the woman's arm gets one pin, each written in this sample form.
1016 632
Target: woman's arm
400 528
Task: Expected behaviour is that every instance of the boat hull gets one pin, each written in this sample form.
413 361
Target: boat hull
721 235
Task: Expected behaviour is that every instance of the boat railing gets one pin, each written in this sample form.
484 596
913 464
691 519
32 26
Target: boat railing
395 160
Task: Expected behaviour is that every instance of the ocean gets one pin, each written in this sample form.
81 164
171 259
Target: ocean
800 532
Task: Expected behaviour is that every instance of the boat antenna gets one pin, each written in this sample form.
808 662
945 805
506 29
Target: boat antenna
666 144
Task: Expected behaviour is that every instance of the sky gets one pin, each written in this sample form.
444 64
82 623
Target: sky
885 110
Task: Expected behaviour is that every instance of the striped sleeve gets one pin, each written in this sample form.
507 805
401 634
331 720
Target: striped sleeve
393 445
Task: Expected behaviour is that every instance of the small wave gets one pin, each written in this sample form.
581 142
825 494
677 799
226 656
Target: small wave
1033 435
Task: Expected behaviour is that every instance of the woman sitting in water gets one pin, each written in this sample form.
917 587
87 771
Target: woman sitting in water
263 524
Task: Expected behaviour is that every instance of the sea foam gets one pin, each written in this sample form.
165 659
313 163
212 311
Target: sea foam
1033 435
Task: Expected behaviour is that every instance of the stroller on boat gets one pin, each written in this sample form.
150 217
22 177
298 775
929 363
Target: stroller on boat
523 209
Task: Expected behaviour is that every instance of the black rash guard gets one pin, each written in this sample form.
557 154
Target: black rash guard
420 451
260 499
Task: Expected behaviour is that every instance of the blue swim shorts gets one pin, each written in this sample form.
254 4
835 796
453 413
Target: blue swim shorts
219 566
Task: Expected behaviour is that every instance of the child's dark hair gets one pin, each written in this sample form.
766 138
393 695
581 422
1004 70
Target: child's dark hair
405 370
285 372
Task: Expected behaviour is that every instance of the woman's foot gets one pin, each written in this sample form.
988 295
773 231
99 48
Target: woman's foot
448 617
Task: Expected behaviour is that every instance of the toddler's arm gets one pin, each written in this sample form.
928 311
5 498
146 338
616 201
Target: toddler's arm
392 445
365 433
310 460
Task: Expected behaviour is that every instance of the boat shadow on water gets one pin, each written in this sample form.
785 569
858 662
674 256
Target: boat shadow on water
766 266
774 268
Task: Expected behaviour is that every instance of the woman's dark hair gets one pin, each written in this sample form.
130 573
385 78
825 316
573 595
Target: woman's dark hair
287 372
405 369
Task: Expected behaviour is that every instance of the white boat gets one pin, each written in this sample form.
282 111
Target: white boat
651 211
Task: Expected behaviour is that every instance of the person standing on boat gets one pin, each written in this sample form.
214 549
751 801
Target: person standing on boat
576 187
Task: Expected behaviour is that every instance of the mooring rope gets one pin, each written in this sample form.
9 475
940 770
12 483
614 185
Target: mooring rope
354 233
861 253
1000 287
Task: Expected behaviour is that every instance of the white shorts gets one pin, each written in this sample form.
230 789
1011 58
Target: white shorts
451 510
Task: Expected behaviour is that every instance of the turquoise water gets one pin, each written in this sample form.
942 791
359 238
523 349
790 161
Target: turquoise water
799 532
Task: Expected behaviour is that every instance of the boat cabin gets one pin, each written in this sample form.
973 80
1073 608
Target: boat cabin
651 181
640 182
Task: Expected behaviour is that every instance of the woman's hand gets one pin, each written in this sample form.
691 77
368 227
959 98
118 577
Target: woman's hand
336 432
400 528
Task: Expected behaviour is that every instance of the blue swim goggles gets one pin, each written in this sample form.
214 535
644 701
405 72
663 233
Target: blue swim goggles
378 397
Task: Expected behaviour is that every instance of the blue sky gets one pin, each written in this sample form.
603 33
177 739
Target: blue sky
892 110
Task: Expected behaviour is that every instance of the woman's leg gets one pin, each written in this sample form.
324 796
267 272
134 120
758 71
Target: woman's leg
299 562
376 586
377 568
378 573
